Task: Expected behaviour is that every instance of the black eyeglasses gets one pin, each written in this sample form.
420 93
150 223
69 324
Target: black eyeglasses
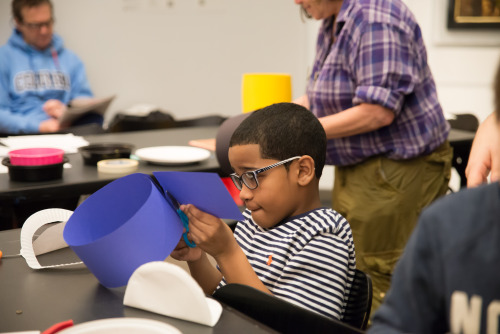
250 178
38 26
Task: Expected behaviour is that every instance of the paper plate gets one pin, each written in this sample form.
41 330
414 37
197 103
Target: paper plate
122 326
172 155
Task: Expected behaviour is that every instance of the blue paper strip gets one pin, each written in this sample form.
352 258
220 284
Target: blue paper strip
206 191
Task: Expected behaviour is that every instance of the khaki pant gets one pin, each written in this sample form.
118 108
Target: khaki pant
382 199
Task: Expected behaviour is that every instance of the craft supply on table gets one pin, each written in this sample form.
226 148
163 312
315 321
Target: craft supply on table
117 166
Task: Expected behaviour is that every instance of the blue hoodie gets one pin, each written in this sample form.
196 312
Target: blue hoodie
29 77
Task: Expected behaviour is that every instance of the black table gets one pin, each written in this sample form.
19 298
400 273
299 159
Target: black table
82 179
37 299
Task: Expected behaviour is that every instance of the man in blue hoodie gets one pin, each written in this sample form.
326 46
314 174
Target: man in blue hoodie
38 76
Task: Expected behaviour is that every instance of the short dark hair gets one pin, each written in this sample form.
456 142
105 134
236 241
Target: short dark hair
284 130
496 93
18 5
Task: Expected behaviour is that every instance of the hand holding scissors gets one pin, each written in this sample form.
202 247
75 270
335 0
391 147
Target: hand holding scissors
184 219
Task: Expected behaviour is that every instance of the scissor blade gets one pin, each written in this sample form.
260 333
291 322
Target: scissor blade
174 201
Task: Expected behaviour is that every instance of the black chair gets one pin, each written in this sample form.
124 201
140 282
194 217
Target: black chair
357 312
277 313
465 122
153 121
159 120
461 149
200 121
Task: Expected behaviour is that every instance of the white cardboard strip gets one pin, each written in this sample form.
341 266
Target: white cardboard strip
50 240
167 289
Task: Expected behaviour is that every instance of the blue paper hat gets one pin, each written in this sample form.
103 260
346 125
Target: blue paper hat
122 226
129 222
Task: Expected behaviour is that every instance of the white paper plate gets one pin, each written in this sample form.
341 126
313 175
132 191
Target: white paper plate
122 326
172 155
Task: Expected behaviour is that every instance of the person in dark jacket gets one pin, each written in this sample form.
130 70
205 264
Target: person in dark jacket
448 279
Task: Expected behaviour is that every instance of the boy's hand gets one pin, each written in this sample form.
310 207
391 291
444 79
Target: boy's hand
215 238
183 252
209 233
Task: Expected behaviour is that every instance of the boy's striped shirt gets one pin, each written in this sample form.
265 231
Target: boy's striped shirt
308 260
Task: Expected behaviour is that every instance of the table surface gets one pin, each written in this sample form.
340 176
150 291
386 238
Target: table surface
37 299
83 179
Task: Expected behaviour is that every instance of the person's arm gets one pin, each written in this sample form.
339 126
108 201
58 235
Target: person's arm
49 126
303 101
11 122
356 120
30 121
215 237
14 123
200 267
54 108
235 267
485 154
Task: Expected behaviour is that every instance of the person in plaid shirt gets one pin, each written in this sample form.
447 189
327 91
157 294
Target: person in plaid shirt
373 92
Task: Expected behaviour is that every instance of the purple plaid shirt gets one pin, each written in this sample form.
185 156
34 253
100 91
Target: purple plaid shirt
378 56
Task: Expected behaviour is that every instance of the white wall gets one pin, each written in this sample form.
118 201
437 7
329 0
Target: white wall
180 55
5 20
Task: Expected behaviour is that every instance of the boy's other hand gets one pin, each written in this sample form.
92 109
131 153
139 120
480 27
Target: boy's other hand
183 252
209 233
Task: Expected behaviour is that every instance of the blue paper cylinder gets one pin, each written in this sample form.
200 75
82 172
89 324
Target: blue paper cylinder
120 227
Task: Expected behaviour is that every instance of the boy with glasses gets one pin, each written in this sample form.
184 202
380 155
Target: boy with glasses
287 245
38 76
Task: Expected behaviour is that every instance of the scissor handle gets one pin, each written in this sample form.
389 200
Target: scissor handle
185 222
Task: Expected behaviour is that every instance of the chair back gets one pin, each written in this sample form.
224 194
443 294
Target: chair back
357 311
464 122
209 120
153 121
278 313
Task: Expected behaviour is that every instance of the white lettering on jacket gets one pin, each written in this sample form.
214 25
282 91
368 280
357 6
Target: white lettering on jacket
465 314
41 80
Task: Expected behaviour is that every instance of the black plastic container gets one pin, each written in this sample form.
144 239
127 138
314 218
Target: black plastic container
36 173
94 153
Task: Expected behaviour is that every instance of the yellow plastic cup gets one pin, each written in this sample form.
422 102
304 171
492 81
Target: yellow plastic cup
259 90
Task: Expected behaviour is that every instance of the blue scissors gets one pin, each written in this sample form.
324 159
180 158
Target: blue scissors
184 218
